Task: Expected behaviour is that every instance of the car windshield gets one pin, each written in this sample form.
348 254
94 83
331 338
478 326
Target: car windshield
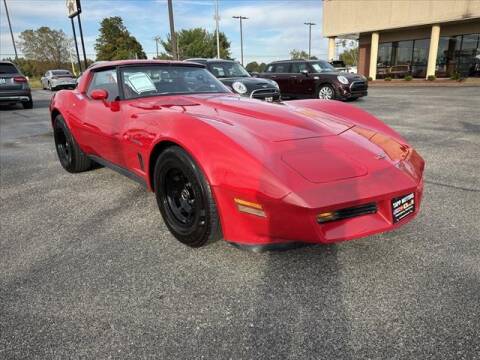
61 72
227 69
152 80
322 66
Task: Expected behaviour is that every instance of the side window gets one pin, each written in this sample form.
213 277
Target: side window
269 69
282 68
298 67
106 80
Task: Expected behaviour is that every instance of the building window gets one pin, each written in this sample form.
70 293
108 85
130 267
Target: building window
400 58
458 54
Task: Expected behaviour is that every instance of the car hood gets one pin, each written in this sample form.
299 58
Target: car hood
271 122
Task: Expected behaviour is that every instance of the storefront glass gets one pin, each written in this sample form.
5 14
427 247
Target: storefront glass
400 58
458 54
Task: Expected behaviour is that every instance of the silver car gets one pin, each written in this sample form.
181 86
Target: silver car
58 79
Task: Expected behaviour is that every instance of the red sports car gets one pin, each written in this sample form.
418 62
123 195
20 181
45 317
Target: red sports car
223 166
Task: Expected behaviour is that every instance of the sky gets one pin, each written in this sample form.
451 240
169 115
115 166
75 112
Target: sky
273 27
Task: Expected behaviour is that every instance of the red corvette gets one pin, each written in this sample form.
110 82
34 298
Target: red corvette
257 174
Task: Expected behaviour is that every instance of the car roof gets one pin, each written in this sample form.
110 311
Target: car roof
209 60
7 62
103 64
295 60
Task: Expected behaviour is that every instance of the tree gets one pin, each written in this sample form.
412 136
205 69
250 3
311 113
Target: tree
116 43
252 66
256 67
196 42
350 53
45 45
300 54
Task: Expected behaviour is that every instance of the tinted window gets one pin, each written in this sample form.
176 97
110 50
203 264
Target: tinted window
281 68
154 80
298 67
106 80
227 69
8 69
269 69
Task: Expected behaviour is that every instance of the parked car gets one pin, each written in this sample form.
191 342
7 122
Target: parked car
58 79
225 166
301 79
14 87
233 75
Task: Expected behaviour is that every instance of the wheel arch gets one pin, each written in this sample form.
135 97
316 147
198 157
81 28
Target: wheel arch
157 149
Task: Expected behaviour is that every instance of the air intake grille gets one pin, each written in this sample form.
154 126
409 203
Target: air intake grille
347 213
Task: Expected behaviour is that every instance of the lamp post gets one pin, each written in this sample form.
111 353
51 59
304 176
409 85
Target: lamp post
10 27
217 19
241 33
173 36
157 39
310 24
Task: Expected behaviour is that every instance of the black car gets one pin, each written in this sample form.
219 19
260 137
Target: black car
301 79
233 75
14 87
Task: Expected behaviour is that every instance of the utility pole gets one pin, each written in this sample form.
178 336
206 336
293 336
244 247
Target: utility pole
241 33
81 40
157 39
217 19
11 32
310 24
173 36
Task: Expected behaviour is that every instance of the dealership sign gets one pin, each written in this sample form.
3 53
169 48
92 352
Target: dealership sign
73 8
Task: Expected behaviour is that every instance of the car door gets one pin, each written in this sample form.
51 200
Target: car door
304 81
282 77
100 119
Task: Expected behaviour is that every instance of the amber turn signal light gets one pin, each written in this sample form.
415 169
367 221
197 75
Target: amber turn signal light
249 207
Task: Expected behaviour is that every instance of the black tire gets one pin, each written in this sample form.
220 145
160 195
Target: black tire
28 104
185 199
328 88
71 157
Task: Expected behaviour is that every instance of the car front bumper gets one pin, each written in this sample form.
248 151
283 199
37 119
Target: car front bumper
293 219
355 89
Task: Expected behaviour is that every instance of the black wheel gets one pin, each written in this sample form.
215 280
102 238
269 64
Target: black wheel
71 157
28 104
326 92
185 199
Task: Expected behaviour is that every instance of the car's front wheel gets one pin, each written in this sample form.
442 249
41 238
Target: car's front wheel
71 157
326 92
185 199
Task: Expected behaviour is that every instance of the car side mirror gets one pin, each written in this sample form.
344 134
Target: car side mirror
304 72
99 94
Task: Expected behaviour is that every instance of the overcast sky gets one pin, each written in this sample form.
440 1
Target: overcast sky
274 27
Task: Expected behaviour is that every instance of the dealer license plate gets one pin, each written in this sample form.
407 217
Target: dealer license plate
269 99
2 81
403 206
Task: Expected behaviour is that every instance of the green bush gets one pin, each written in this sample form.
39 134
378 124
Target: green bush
388 78
369 78
408 78
431 77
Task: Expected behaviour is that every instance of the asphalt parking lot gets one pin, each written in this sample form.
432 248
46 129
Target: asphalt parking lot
89 270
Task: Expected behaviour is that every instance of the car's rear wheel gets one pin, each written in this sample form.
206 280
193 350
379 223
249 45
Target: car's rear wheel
71 157
185 199
326 92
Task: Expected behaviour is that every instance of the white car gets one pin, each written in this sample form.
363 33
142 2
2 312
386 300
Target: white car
58 79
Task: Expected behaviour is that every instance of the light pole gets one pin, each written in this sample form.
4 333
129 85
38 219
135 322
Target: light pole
157 39
173 36
217 19
241 33
310 24
10 26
